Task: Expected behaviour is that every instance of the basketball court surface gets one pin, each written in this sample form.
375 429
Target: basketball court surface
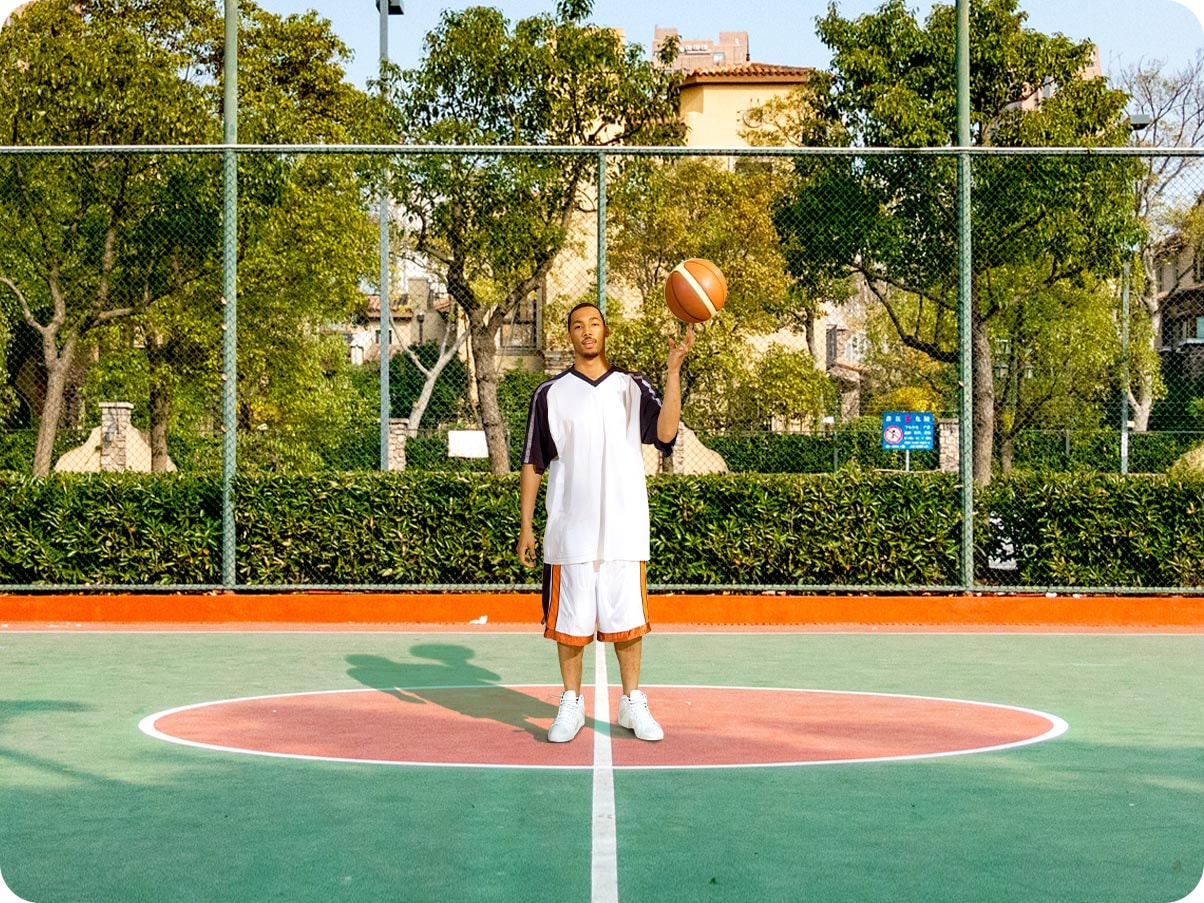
410 762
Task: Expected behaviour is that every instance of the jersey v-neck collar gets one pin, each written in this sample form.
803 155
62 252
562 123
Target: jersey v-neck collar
592 382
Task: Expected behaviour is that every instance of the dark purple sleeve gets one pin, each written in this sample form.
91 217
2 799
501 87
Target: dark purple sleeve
538 448
650 411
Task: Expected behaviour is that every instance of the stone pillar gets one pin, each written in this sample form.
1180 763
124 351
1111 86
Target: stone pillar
948 444
114 434
399 429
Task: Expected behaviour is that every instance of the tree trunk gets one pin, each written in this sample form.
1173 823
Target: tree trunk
1141 384
484 355
160 399
1007 445
58 368
983 401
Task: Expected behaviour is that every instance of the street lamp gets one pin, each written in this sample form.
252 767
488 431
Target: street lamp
390 8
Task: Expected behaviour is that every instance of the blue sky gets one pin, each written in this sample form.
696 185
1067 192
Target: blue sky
780 31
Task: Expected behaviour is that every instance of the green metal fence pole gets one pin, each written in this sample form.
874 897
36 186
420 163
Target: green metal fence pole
964 292
229 293
386 313
1127 275
602 232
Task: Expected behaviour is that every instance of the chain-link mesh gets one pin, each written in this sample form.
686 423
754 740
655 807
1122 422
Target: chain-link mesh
842 313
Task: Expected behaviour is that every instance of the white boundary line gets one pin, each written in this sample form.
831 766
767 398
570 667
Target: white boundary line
604 855
7 895
1196 895
1057 727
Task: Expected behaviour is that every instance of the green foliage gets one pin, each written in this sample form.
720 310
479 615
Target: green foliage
378 528
16 447
494 224
857 444
1098 531
852 528
1098 451
1041 225
135 239
664 211
110 529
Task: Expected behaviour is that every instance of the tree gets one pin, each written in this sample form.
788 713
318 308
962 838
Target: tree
1171 109
890 220
101 239
85 72
664 211
494 224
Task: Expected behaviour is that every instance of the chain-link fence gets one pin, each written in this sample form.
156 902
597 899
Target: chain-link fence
825 439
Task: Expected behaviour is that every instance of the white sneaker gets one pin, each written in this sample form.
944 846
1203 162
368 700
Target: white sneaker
634 714
570 718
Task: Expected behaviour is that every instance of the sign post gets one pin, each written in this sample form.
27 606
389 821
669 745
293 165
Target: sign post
907 430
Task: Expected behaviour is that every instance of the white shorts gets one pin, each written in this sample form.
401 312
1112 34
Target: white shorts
604 598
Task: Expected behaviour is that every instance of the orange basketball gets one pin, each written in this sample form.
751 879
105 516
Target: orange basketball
695 290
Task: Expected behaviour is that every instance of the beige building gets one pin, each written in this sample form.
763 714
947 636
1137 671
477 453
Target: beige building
716 101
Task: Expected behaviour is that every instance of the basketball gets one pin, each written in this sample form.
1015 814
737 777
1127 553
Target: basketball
695 290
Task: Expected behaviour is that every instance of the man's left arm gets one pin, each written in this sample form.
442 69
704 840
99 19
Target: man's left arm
670 416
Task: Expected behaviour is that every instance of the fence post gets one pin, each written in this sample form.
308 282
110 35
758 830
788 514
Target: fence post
229 293
1124 353
964 296
601 297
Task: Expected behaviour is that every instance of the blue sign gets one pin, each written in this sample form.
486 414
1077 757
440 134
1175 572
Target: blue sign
907 431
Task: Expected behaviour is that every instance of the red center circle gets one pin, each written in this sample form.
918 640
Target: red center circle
705 727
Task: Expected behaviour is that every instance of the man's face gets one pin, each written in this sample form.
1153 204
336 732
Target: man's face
588 333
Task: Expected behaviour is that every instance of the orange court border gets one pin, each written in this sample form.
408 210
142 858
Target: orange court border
522 610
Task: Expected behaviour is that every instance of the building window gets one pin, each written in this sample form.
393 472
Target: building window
1200 327
521 330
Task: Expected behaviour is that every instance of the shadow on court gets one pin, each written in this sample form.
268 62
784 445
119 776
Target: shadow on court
12 709
447 678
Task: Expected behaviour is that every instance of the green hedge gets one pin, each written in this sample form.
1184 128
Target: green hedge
110 529
855 528
1094 530
848 528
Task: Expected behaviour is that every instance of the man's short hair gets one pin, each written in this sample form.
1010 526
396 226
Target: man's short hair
584 304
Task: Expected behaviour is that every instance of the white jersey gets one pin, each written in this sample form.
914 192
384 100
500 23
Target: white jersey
588 435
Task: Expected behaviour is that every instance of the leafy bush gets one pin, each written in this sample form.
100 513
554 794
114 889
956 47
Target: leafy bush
843 529
415 528
1096 530
110 529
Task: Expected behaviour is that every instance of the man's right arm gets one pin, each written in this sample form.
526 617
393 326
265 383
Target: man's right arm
529 480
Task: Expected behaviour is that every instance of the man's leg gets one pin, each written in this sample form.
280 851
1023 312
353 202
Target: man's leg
629 653
570 665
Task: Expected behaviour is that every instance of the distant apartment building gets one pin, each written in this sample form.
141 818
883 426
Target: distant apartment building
1180 276
702 53
717 102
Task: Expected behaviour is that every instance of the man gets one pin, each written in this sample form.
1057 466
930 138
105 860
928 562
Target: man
586 428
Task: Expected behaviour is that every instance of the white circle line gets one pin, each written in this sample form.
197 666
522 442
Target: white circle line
1058 727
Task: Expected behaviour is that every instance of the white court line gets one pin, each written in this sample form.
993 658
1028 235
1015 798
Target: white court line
602 726
6 894
1196 895
604 858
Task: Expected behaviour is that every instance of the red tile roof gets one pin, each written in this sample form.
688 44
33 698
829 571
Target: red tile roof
750 72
